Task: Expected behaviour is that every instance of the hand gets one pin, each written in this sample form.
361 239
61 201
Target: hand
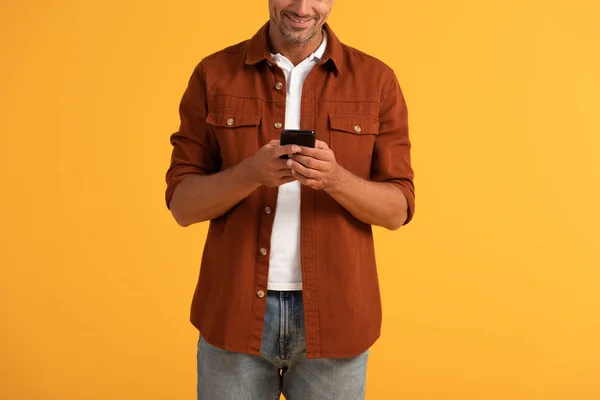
316 168
267 168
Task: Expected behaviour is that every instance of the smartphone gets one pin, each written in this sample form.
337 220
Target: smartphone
301 137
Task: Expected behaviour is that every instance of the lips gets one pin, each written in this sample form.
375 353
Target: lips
299 22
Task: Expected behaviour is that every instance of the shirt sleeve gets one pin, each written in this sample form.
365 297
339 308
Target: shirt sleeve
391 157
195 149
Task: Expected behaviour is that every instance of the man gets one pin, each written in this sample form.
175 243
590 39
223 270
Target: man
287 299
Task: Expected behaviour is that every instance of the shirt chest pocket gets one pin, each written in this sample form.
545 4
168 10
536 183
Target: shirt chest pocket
236 132
352 139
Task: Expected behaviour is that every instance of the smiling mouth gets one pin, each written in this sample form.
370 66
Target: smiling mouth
298 21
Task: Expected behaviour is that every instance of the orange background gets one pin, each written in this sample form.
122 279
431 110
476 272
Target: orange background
493 292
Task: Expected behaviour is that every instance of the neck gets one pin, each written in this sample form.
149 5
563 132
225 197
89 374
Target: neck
293 52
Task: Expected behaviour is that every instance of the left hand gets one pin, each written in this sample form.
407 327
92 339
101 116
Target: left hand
316 168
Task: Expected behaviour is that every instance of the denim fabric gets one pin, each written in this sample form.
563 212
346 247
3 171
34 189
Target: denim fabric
282 366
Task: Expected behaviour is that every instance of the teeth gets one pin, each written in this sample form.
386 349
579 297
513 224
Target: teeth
298 20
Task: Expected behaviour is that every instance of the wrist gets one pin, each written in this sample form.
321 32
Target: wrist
245 174
339 180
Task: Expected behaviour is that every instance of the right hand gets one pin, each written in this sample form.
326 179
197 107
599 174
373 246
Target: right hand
268 169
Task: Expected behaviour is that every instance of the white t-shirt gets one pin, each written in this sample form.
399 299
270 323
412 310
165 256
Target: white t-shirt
285 271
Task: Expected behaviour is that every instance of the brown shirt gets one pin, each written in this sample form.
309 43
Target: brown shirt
231 108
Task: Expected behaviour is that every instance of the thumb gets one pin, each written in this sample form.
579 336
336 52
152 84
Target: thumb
287 149
321 145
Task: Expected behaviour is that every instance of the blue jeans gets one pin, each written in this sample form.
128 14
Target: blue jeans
282 366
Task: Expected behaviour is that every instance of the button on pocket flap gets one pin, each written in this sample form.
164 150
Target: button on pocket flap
357 124
233 119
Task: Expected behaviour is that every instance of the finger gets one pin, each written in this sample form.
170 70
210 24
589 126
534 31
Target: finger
319 154
281 165
284 173
306 181
287 149
272 144
307 172
310 162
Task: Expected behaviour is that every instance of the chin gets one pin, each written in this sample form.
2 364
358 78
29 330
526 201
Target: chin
299 37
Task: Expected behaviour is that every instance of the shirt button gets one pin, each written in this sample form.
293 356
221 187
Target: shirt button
230 121
278 85
278 125
357 128
260 294
263 251
268 210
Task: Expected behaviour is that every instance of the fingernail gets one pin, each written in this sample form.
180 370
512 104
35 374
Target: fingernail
296 148
289 163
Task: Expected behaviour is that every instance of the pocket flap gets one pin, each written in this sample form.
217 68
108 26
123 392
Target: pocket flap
233 118
356 124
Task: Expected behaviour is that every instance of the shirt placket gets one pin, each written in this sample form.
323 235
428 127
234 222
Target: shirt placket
273 119
307 231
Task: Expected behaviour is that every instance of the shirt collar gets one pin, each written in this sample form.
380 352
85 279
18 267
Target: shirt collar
318 54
